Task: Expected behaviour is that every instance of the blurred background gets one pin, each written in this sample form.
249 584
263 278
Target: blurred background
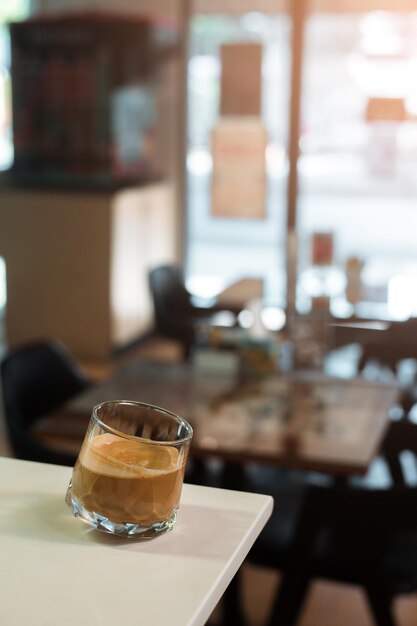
267 148
328 146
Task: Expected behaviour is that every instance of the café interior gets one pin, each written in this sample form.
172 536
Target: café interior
211 205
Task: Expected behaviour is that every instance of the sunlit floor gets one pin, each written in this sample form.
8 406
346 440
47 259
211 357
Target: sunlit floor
328 604
214 265
223 251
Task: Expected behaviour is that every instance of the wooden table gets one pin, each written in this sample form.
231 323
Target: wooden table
56 570
305 421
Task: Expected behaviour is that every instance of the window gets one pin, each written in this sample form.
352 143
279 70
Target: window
9 10
358 156
222 249
351 161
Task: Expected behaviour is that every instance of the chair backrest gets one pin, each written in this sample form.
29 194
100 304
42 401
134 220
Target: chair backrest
372 508
397 343
170 297
36 379
357 535
400 451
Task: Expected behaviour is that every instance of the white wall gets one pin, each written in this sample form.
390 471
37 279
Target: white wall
57 252
142 236
77 264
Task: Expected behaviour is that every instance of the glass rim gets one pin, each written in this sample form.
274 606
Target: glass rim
180 421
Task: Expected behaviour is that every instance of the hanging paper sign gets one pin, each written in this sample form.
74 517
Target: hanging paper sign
386 110
241 78
322 249
239 175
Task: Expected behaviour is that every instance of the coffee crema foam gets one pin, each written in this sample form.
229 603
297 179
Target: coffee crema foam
128 481
110 455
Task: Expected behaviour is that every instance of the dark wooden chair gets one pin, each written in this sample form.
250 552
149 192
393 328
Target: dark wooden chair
37 378
391 347
364 536
272 548
175 314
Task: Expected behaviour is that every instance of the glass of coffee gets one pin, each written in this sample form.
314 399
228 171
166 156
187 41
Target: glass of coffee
129 473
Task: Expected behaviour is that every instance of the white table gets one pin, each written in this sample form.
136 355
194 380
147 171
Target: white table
56 571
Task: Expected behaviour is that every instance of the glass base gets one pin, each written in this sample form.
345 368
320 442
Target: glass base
122 529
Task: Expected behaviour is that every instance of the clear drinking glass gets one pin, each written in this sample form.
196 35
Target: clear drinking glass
129 473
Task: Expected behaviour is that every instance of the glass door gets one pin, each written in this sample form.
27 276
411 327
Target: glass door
357 202
237 166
